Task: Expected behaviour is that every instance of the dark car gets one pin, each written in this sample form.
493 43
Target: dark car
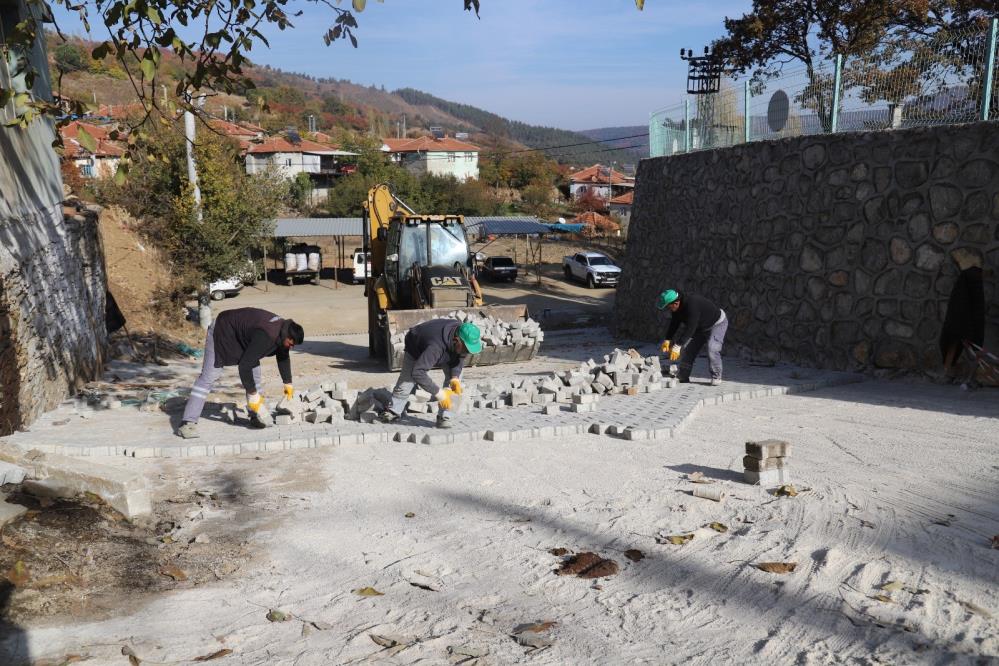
500 268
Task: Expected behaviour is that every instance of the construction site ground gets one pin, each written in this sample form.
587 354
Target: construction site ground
359 548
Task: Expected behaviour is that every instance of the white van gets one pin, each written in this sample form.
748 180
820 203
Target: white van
361 267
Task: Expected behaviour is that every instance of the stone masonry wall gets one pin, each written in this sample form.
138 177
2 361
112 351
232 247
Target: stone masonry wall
835 251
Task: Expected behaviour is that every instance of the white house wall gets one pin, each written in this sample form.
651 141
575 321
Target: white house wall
287 164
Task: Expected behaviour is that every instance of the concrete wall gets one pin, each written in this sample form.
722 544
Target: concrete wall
52 279
833 250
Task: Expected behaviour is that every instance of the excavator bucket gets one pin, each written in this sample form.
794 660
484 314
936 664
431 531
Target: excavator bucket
400 321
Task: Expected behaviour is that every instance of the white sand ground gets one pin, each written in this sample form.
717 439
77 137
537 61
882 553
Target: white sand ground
886 463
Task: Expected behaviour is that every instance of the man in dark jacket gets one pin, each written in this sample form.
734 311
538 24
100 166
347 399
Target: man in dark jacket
438 343
242 337
702 321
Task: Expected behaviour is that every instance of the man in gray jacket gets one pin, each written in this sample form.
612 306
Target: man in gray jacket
438 343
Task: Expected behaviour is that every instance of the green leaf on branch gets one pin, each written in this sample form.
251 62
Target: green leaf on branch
86 140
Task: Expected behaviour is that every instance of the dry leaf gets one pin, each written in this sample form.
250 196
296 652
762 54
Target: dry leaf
786 491
883 597
634 555
320 625
698 477
892 586
559 552
535 627
18 575
776 567
974 608
173 572
384 641
133 658
675 539
995 542
410 514
531 640
277 616
224 652
719 527
367 592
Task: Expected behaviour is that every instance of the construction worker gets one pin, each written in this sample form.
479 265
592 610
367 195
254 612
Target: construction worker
242 337
702 321
438 343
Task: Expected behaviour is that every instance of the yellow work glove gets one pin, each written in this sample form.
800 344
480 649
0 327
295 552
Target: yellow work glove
674 352
255 402
456 386
664 347
289 391
444 397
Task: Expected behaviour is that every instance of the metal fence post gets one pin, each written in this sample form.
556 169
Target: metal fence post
835 100
989 70
686 126
745 110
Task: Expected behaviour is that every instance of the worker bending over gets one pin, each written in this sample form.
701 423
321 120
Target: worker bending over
242 337
702 321
438 343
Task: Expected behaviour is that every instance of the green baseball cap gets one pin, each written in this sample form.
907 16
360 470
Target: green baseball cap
469 334
666 298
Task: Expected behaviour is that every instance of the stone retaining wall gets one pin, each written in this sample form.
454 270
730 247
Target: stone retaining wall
836 251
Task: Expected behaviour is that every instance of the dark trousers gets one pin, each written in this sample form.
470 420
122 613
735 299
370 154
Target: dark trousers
715 337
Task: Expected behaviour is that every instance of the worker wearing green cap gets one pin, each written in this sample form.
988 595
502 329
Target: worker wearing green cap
438 343
702 321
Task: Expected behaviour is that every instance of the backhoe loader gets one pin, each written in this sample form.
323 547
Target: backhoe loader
422 269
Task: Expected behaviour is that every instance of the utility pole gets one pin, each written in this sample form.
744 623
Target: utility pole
403 126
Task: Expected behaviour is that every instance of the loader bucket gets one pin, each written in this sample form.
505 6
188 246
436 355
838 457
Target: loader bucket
400 321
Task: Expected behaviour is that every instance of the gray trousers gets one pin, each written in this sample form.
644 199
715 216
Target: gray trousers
209 375
715 337
405 386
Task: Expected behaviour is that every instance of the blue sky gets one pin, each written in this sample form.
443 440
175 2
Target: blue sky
575 64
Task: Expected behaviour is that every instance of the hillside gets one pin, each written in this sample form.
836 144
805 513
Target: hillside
611 134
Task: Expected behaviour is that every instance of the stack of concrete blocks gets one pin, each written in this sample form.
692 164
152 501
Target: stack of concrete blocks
495 332
765 463
330 402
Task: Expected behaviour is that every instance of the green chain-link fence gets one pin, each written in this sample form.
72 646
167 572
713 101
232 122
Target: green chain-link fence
949 79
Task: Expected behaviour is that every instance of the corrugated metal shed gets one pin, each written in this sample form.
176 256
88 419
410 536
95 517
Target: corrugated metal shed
317 226
500 226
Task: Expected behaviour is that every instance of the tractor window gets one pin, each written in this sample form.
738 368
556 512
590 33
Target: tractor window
448 245
412 249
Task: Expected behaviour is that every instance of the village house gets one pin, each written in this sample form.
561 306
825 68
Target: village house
599 181
441 156
621 207
242 132
102 161
292 155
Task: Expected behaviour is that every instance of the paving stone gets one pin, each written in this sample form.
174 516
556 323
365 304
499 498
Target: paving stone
284 419
758 465
584 399
10 473
768 448
769 478
583 407
551 410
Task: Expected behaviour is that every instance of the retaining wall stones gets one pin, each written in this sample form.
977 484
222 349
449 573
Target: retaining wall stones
835 251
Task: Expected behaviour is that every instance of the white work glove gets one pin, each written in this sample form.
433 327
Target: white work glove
444 397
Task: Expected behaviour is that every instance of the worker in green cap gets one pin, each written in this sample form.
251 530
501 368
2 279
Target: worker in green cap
702 321
438 343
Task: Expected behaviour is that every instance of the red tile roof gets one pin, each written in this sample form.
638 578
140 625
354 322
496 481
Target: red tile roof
276 144
625 199
595 220
429 144
600 175
72 130
234 129
73 150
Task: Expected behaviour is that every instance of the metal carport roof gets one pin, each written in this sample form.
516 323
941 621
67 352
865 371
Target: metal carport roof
505 226
317 226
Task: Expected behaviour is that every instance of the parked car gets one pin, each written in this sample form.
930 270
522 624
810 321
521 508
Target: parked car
500 268
222 288
361 267
593 268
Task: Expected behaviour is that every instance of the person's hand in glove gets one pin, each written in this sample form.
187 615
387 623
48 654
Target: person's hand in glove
289 391
674 352
444 397
664 347
455 385
255 403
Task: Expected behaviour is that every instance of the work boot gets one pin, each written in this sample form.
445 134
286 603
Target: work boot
684 380
257 422
716 381
188 430
444 423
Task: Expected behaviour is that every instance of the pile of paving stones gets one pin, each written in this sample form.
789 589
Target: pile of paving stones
765 462
626 372
496 333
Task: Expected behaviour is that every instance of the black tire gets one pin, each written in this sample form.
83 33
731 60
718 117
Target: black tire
568 273
590 283
218 295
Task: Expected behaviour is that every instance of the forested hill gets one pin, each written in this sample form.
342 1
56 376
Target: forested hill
534 136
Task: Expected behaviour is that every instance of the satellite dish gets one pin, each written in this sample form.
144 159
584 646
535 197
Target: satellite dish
777 111
561 220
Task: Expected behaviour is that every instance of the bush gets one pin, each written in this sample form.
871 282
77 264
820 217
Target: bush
70 58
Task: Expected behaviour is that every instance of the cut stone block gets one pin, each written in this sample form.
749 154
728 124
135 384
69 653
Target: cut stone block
758 465
284 419
420 395
287 406
10 473
584 407
551 410
519 397
585 399
768 448
631 390
542 398
769 478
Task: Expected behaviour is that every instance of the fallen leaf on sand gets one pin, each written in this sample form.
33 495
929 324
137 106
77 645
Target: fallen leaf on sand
634 555
675 539
587 565
224 652
467 651
698 477
786 491
529 635
18 575
535 627
173 572
559 552
410 514
384 641
974 608
883 597
133 658
320 625
277 616
776 567
892 586
995 542
719 527
367 592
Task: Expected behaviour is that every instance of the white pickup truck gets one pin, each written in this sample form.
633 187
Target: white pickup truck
593 268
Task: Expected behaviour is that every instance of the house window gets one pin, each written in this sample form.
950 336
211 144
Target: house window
451 157
87 170
469 157
287 162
